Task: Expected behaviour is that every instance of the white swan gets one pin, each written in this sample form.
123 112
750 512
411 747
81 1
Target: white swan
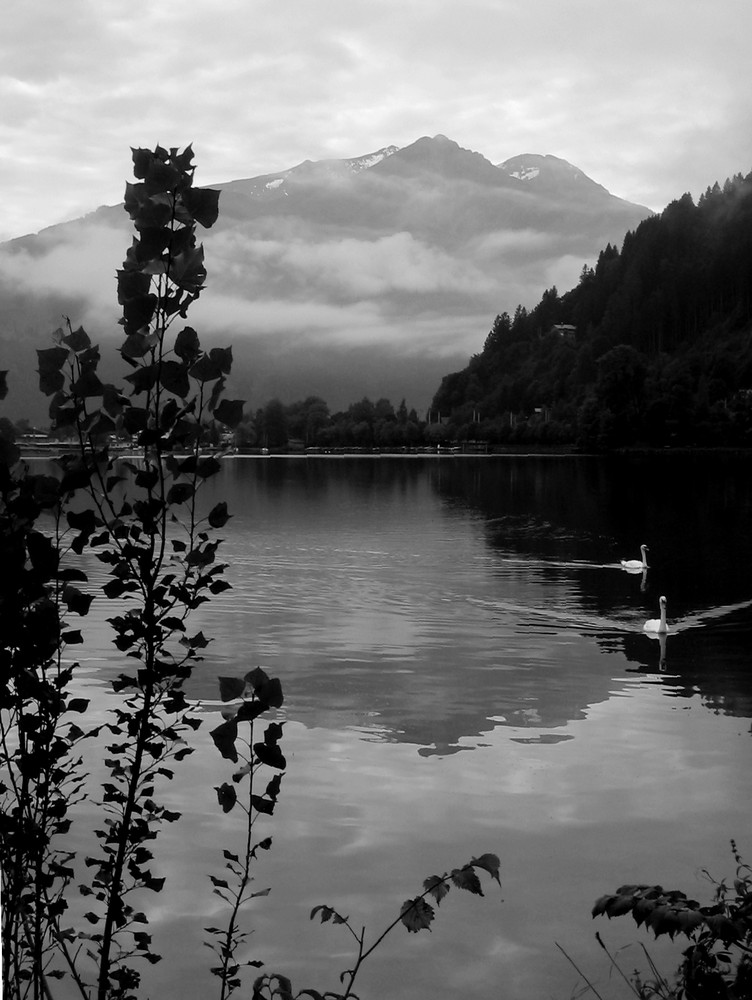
657 624
636 565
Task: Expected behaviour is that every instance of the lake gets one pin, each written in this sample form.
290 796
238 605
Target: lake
465 671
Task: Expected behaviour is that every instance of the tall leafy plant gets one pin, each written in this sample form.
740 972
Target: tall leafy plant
142 521
127 492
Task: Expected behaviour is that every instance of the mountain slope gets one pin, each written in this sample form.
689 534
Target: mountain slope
652 345
372 275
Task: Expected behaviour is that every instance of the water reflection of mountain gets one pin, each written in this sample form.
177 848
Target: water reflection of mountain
429 601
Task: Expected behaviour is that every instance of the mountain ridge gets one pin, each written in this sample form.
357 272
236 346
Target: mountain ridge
437 154
372 275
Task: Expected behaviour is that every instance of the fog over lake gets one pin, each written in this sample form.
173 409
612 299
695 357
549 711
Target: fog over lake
465 671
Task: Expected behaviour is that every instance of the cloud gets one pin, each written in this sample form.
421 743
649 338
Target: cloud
512 242
74 276
350 268
317 324
645 98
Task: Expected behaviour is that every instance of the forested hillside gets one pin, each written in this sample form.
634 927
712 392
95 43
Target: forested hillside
653 346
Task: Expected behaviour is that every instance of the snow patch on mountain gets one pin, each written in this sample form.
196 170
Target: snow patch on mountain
358 163
525 173
532 166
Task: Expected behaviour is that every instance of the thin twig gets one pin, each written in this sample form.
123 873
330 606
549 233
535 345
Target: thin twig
616 965
578 970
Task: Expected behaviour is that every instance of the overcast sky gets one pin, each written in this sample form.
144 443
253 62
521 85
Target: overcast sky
651 98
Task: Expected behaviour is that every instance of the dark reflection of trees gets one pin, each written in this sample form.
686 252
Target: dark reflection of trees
575 515
360 475
714 662
694 510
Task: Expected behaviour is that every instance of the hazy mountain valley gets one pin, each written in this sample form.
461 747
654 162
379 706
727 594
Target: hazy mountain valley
369 277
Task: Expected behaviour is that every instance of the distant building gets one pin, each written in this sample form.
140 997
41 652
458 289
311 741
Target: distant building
565 330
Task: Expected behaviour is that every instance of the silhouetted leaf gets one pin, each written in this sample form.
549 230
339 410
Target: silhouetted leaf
229 412
723 928
188 269
203 204
207 467
3 384
217 389
51 382
224 737
328 913
131 284
135 419
77 340
85 521
199 641
416 914
52 359
100 428
218 516
87 385
137 344
227 796
205 369
599 906
143 379
267 689
250 710
270 755
147 478
116 588
465 878
76 601
180 492
617 906
437 886
489 863
187 345
262 805
113 401
175 378
231 688
46 490
137 314
43 554
222 356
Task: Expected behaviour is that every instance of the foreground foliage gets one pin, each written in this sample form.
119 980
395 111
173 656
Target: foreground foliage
143 519
718 961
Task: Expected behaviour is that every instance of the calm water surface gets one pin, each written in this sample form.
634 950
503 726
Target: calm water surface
465 671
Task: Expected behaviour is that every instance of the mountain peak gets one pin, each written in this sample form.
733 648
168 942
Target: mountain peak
546 172
440 155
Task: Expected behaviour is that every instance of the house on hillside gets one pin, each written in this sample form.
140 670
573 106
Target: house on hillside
564 330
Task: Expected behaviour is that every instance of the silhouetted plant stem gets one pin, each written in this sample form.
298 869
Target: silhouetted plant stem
228 949
579 971
116 886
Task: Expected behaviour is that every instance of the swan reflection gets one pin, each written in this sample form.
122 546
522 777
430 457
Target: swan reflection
662 638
